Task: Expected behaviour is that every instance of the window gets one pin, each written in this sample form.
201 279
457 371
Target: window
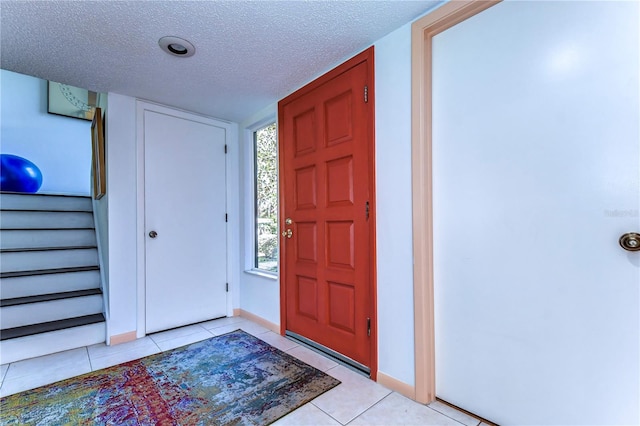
266 197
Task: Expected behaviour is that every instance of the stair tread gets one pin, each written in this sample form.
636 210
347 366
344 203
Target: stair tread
31 249
49 297
49 271
27 330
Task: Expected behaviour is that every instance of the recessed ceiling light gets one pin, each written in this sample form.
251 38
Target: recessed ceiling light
177 46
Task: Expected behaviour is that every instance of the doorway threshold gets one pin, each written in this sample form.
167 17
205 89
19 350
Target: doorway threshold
330 353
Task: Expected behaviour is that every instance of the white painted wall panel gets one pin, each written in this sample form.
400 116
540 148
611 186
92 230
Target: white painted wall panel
122 214
393 195
535 161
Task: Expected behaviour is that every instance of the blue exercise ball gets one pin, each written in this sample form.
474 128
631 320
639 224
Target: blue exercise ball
18 174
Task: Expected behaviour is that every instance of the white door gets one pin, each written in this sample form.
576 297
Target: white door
536 151
185 205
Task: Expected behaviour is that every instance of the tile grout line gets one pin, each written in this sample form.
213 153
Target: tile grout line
154 342
321 410
385 397
376 403
5 375
86 348
455 420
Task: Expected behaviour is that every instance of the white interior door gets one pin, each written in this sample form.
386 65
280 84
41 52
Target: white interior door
185 204
536 168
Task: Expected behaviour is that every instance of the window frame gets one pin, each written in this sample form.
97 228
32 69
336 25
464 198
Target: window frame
256 224
259 121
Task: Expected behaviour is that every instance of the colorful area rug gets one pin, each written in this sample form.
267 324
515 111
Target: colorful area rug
233 379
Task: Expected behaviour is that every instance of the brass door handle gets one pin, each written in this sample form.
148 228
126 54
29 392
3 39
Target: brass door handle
288 233
630 241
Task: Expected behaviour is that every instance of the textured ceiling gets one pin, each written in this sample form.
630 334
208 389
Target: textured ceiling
248 53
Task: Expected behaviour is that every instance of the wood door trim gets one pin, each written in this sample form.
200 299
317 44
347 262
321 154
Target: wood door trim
422 32
366 57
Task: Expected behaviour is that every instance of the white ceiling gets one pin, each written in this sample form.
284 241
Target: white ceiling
249 54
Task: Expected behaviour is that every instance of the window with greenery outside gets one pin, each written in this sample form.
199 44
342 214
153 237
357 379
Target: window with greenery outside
266 187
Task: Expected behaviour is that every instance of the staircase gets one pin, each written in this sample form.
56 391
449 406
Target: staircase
50 294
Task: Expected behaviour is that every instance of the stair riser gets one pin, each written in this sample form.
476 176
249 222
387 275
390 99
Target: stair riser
37 260
11 288
44 202
30 222
45 220
35 313
48 343
22 239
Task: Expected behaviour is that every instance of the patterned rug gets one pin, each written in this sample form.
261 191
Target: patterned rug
233 379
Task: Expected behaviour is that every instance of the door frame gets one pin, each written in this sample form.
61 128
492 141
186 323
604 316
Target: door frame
366 57
422 33
232 201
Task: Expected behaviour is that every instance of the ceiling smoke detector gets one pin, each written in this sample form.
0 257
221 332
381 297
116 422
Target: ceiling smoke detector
177 46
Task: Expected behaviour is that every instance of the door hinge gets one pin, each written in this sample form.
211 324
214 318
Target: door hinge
366 94
368 326
225 148
226 217
227 287
366 209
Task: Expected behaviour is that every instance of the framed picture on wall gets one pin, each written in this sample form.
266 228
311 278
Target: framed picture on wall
98 158
71 101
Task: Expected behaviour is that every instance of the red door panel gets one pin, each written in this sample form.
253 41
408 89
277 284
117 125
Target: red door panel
326 179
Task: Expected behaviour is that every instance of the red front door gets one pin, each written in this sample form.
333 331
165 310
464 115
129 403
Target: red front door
326 165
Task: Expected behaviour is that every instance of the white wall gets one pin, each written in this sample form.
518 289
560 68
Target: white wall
393 201
122 220
258 294
125 210
59 146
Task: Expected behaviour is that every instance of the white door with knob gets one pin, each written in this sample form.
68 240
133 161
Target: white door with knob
185 219
536 169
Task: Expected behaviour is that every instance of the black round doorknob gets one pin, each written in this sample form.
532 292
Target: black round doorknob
153 234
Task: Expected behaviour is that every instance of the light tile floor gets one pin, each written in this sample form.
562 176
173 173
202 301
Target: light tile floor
356 401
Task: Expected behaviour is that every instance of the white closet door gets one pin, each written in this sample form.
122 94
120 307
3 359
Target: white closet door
536 169
185 205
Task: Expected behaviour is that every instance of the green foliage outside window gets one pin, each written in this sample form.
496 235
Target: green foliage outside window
266 166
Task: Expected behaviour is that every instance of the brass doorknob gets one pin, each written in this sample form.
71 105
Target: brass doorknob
288 233
630 241
153 234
